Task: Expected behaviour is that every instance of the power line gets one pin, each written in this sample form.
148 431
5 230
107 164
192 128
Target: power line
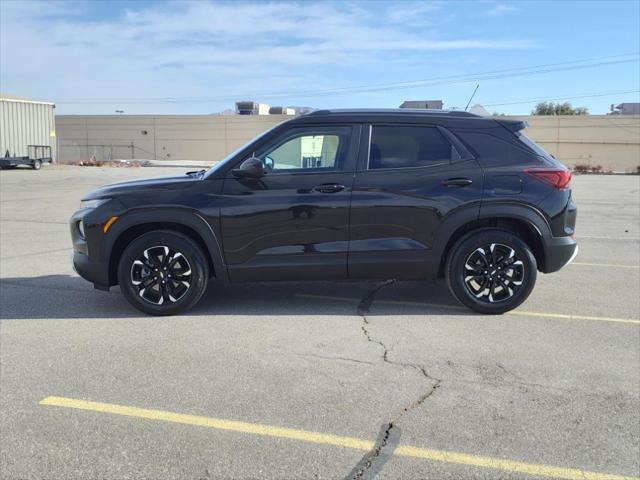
453 79
395 84
586 95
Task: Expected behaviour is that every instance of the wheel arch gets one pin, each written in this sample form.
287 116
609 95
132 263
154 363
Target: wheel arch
134 224
526 222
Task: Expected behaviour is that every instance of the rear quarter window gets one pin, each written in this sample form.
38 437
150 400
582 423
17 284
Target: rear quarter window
491 150
532 145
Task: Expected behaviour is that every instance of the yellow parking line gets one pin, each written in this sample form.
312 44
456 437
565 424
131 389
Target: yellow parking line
560 316
598 237
333 440
614 265
209 422
573 317
506 465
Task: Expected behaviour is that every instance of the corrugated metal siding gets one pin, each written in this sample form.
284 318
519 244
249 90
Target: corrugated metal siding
26 123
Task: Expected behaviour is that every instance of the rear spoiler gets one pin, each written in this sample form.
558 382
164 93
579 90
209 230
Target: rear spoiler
513 125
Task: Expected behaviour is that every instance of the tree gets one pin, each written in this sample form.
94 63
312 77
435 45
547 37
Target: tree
550 108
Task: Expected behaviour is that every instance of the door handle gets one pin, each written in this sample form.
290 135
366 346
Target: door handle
457 182
329 188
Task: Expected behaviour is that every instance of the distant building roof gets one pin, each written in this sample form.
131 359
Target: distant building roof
480 110
629 108
15 98
430 104
252 108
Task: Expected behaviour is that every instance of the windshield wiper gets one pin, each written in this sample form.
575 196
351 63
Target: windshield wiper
196 172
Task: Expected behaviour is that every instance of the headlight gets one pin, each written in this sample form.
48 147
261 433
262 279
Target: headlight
93 203
81 228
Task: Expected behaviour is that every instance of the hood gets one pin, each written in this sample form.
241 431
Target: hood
170 182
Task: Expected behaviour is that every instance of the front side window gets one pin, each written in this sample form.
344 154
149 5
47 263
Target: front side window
307 149
406 146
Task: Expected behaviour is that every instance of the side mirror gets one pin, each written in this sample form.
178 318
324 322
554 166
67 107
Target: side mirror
250 168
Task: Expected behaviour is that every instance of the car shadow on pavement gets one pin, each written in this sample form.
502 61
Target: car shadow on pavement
70 297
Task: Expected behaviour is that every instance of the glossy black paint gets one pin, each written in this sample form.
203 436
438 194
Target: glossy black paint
350 222
284 223
397 213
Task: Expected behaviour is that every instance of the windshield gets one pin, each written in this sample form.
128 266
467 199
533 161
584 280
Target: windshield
217 166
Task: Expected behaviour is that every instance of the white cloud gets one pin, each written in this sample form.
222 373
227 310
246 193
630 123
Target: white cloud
179 49
500 9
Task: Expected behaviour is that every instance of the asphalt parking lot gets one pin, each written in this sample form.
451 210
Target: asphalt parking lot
316 380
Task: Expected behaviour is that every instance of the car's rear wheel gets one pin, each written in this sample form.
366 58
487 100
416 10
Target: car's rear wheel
163 273
491 271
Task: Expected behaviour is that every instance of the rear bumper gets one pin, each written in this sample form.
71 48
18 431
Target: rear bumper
94 272
558 252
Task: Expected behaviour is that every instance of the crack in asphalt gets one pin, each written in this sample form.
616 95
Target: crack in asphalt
323 357
389 436
371 464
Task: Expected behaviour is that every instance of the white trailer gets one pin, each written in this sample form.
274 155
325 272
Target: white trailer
27 132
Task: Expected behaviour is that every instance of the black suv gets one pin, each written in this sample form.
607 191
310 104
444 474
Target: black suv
341 194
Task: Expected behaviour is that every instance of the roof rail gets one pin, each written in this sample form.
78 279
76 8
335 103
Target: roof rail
380 111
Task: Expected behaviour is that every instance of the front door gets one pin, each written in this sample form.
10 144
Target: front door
293 223
410 177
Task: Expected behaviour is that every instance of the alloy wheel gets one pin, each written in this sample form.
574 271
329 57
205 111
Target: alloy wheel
161 275
493 273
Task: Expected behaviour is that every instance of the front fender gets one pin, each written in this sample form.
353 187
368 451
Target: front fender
184 216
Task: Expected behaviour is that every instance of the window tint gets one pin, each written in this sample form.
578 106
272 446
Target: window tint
407 146
532 145
305 149
495 149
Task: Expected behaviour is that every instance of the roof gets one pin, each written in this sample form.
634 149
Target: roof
14 98
445 118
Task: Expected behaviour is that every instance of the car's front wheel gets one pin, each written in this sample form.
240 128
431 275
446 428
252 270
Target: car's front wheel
491 271
163 273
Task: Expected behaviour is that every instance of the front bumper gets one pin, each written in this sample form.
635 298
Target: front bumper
94 272
558 252
89 258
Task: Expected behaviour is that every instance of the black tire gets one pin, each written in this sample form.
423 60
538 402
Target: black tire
483 290
36 165
150 261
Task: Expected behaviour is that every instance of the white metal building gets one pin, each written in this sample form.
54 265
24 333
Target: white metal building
24 124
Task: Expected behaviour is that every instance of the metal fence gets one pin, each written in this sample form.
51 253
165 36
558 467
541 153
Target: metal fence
73 152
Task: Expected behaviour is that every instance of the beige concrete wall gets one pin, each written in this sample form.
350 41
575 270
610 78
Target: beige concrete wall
612 142
205 138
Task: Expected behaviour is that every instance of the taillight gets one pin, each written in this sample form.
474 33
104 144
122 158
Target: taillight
556 177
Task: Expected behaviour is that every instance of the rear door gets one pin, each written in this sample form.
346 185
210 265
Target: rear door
409 178
293 223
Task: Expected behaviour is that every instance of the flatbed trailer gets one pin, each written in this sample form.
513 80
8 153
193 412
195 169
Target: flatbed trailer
38 154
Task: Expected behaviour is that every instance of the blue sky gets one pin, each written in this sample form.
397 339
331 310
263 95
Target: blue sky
199 57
